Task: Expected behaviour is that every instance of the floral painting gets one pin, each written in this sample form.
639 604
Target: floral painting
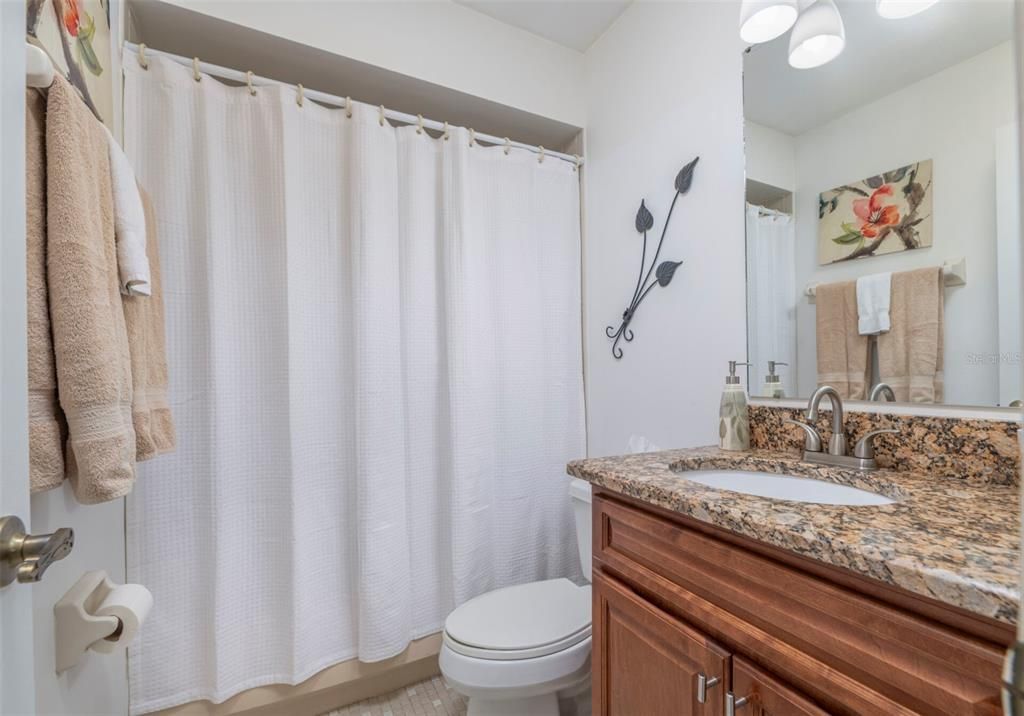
882 214
76 36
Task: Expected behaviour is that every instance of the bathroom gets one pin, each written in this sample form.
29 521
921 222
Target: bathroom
462 343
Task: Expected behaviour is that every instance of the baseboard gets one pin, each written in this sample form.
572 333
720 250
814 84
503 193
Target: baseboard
332 688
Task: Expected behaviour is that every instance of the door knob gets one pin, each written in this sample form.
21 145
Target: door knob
26 557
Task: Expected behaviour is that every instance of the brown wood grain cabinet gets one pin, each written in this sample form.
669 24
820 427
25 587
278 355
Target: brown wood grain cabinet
689 617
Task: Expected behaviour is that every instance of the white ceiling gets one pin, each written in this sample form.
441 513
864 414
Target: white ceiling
575 24
881 56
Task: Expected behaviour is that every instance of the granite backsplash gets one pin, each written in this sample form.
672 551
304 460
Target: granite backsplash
979 451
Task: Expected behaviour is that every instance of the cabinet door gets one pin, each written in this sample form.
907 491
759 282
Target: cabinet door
648 662
765 695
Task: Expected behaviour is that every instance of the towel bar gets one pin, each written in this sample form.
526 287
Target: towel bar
954 273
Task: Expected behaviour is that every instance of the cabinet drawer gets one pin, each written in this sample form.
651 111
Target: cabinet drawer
850 652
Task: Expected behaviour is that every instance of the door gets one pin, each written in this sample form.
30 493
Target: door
648 662
17 682
758 693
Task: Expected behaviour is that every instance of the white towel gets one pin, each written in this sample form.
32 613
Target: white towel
129 223
873 298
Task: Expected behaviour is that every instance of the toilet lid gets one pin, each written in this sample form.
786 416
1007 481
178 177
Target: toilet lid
526 620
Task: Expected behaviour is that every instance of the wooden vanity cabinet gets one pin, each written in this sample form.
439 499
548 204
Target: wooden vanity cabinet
766 695
677 601
651 660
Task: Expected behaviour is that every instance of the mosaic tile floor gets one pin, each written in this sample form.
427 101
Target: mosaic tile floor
427 698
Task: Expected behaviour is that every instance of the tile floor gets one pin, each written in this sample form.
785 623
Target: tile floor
427 698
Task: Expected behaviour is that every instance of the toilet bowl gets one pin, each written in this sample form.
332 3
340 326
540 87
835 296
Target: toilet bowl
525 650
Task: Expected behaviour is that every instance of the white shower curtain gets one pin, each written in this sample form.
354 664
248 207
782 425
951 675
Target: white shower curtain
771 297
376 374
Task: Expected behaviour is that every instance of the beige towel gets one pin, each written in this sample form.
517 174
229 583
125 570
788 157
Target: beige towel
46 428
910 355
90 340
144 317
842 351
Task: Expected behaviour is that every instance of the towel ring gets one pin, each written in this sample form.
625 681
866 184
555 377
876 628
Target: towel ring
248 82
472 136
508 146
195 70
540 158
300 95
348 106
382 115
419 124
446 134
142 56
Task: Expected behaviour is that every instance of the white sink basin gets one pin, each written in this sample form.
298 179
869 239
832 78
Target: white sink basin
785 487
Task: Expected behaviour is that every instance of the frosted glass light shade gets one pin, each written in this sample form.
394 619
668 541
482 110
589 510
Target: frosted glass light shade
818 36
764 20
896 9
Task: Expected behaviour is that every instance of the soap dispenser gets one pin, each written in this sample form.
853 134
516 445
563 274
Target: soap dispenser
733 421
773 382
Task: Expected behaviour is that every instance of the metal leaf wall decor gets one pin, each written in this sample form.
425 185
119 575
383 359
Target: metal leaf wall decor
665 270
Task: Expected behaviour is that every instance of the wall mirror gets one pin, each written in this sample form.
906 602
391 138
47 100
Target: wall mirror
893 166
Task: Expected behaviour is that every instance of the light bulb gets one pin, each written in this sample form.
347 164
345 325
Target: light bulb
764 20
818 36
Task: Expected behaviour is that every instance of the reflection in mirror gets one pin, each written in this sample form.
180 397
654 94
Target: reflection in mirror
883 237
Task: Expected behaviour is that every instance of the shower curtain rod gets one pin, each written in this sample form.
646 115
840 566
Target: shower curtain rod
130 48
765 211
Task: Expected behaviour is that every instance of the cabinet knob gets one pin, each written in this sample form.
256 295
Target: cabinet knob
732 703
703 684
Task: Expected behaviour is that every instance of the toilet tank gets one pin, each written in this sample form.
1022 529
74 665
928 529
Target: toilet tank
579 492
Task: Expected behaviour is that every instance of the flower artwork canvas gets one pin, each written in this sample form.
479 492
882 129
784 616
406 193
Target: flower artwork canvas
76 36
883 214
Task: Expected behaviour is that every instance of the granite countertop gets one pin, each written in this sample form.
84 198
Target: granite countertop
943 537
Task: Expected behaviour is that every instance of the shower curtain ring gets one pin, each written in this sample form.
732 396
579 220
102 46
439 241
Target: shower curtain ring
142 56
540 159
348 107
472 136
508 146
446 133
577 167
300 96
195 69
419 124
382 115
248 82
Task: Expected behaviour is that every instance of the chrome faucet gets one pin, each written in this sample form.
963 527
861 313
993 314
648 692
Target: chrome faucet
836 443
863 457
882 391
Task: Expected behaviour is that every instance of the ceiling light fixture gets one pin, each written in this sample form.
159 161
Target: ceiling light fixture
818 36
764 20
897 9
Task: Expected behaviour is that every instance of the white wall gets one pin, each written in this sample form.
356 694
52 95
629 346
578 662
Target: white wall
950 118
432 40
771 156
663 86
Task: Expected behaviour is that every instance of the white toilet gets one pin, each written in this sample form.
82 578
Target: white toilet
525 650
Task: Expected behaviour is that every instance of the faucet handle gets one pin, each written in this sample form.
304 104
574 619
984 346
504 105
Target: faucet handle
865 447
812 443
